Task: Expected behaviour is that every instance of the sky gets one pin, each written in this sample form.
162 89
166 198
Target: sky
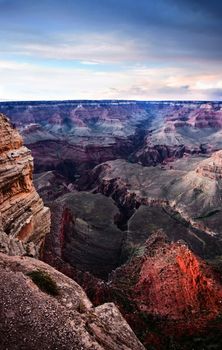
111 49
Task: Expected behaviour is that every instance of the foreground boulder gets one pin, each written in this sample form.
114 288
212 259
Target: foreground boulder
53 312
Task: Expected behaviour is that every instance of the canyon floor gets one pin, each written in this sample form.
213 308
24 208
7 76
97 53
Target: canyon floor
135 194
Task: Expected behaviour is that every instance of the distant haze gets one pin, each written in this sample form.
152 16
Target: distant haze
111 49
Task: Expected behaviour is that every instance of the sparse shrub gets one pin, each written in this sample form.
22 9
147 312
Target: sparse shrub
44 281
81 307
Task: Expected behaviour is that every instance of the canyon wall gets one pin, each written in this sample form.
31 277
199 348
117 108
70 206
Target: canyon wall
40 307
73 136
23 216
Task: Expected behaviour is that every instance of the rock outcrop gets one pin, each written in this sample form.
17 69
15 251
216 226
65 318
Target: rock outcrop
22 213
165 291
212 167
34 318
84 233
50 185
174 283
152 155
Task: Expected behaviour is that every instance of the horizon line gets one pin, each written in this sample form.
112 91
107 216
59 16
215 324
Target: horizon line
109 100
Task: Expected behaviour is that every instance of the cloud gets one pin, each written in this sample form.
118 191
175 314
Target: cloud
110 49
89 62
176 29
95 48
27 81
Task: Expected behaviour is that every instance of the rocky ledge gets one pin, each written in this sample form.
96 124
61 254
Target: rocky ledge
42 308
22 213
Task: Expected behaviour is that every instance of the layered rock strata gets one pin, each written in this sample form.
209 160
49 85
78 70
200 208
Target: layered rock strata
212 167
22 212
70 136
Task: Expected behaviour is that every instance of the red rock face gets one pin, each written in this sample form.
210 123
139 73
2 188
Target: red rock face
169 287
164 291
175 284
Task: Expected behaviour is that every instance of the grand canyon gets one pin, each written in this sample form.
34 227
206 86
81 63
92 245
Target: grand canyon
118 203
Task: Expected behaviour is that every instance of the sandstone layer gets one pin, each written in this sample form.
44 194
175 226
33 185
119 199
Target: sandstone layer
22 212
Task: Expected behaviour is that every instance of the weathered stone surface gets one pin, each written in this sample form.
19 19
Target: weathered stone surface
22 212
14 246
32 319
152 155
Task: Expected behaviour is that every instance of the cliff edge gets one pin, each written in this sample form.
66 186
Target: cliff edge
24 220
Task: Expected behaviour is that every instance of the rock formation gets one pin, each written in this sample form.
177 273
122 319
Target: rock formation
50 185
152 155
164 291
99 238
212 167
174 283
33 318
22 213
74 136
40 307
196 199
84 233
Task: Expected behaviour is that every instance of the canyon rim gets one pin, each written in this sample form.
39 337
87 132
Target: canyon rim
110 175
